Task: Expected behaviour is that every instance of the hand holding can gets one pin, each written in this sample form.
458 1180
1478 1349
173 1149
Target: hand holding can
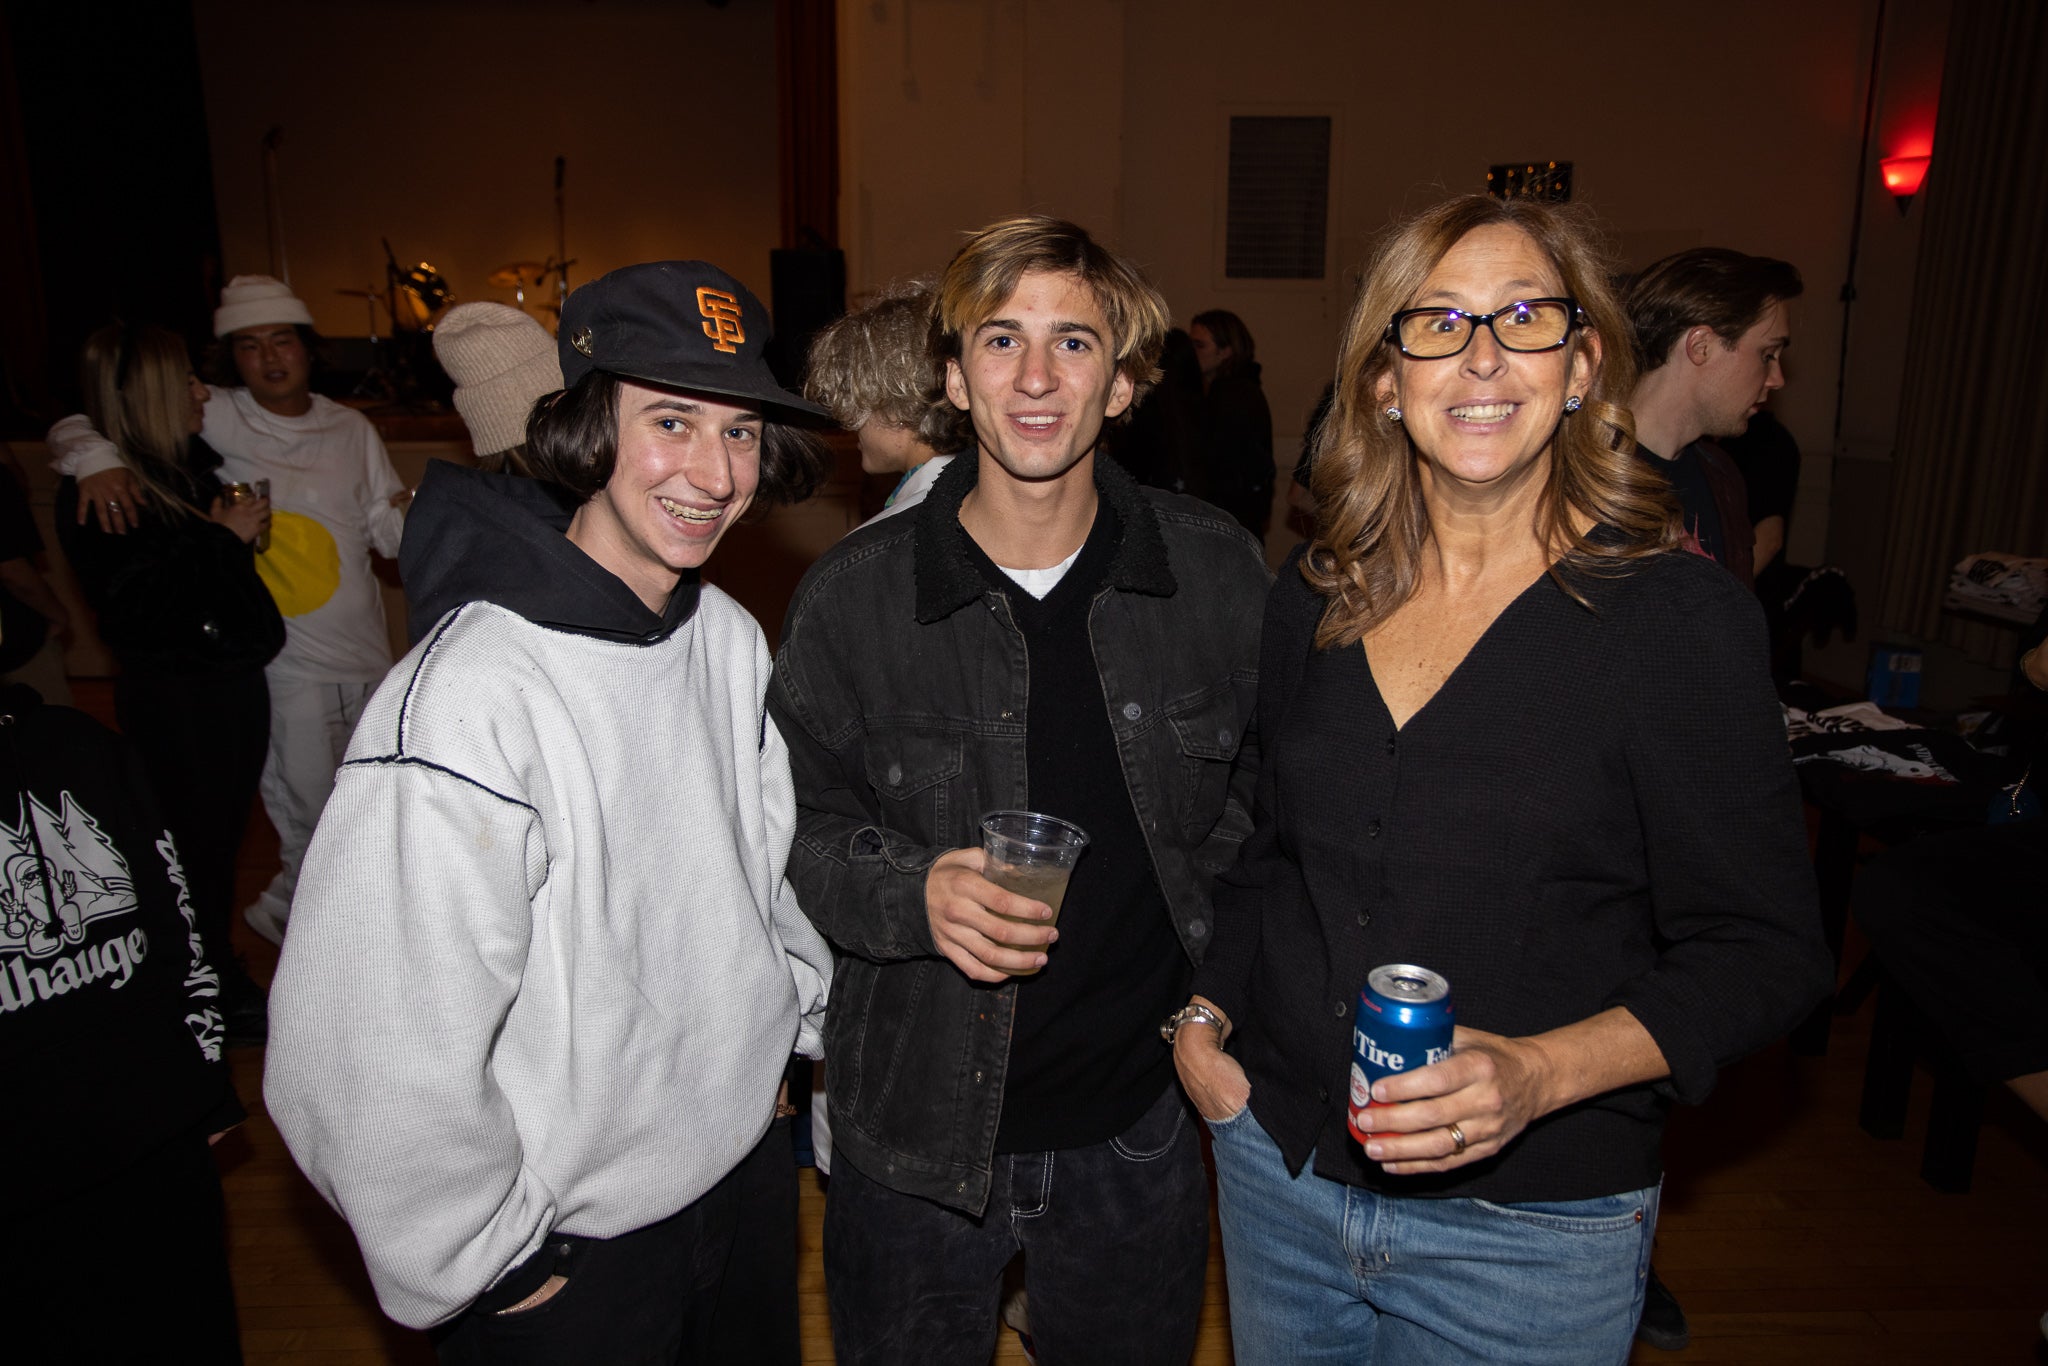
1404 1021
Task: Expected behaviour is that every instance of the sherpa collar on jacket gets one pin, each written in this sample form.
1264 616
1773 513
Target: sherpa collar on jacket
948 580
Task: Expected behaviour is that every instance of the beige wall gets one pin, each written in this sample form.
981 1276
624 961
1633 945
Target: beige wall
1733 124
437 125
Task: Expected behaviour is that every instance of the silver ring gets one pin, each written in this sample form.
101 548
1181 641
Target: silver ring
1457 1137
113 506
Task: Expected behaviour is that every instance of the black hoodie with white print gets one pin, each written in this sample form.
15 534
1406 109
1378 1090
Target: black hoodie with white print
110 1030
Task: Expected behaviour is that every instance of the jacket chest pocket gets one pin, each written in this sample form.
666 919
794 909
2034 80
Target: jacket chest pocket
915 776
1206 736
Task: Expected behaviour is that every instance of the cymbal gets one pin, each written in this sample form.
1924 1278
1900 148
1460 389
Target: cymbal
518 275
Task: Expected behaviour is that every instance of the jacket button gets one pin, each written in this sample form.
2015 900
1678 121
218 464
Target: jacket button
895 774
1132 711
1223 737
1197 928
1372 829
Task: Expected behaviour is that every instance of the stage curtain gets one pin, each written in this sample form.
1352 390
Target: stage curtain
1971 464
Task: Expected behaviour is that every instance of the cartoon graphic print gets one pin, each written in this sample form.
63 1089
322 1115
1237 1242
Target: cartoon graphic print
58 873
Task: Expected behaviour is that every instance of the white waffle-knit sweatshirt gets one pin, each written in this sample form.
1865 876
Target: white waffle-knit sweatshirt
544 969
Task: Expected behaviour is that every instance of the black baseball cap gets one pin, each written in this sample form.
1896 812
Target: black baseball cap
678 324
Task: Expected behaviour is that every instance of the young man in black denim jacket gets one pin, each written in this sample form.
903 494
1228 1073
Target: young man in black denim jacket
1040 633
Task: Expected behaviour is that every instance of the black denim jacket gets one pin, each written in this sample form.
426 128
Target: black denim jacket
900 688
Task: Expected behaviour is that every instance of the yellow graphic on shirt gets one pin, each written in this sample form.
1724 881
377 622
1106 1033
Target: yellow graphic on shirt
302 568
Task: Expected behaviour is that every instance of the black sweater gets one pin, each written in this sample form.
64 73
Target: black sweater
175 595
1085 1060
1596 809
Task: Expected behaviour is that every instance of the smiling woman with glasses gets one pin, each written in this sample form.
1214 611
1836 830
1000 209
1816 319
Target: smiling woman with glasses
1512 736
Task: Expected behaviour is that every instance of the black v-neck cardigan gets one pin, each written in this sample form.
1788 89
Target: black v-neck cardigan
1597 808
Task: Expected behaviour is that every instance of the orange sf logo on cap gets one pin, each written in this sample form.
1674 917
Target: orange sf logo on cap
721 320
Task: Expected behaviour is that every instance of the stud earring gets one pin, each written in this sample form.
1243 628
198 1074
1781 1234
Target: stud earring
1393 413
1573 404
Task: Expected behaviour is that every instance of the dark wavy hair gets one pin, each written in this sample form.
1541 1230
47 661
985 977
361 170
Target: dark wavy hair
572 442
1722 289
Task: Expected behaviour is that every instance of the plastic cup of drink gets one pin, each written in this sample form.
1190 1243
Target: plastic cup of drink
1032 855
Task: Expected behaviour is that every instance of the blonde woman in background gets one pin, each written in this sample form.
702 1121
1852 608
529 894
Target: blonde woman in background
180 605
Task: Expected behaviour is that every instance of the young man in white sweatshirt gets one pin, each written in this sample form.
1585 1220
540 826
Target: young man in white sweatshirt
545 970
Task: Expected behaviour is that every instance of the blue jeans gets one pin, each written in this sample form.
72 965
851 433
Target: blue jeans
1324 1272
1115 1239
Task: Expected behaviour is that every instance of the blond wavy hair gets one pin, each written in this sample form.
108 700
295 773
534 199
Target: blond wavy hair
136 379
985 272
875 364
1372 525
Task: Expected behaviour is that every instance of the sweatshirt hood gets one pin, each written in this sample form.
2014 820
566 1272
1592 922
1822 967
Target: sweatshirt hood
472 536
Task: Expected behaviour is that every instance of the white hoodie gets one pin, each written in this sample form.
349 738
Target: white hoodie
544 968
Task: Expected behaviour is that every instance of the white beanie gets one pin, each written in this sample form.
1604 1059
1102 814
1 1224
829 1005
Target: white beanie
256 301
501 361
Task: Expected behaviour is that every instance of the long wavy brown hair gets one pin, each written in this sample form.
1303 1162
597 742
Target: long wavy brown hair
1372 524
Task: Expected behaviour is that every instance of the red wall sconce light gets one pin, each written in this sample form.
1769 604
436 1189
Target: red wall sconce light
1902 176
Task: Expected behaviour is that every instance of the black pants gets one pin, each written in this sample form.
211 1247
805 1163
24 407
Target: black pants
133 1269
203 742
714 1282
1957 918
1115 1238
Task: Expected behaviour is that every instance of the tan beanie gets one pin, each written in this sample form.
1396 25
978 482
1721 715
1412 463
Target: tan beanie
257 301
501 361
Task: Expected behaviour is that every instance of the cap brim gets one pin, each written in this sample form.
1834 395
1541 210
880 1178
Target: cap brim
775 398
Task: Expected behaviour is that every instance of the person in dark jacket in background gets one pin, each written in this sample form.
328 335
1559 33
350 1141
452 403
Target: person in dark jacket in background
182 608
1711 327
1162 443
112 1246
1238 443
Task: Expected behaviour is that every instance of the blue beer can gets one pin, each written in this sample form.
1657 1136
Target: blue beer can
1403 1022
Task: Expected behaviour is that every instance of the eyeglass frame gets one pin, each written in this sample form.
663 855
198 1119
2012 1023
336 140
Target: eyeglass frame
1575 320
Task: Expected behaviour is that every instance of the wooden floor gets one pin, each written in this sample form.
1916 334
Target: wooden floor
1788 1234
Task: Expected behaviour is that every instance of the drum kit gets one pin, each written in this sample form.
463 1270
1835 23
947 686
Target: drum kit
414 298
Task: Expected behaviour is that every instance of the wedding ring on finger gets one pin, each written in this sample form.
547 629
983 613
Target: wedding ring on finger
1457 1138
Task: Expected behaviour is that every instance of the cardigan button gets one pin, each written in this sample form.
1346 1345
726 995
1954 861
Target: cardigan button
1365 917
1340 1010
1372 829
1323 1094
1390 744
